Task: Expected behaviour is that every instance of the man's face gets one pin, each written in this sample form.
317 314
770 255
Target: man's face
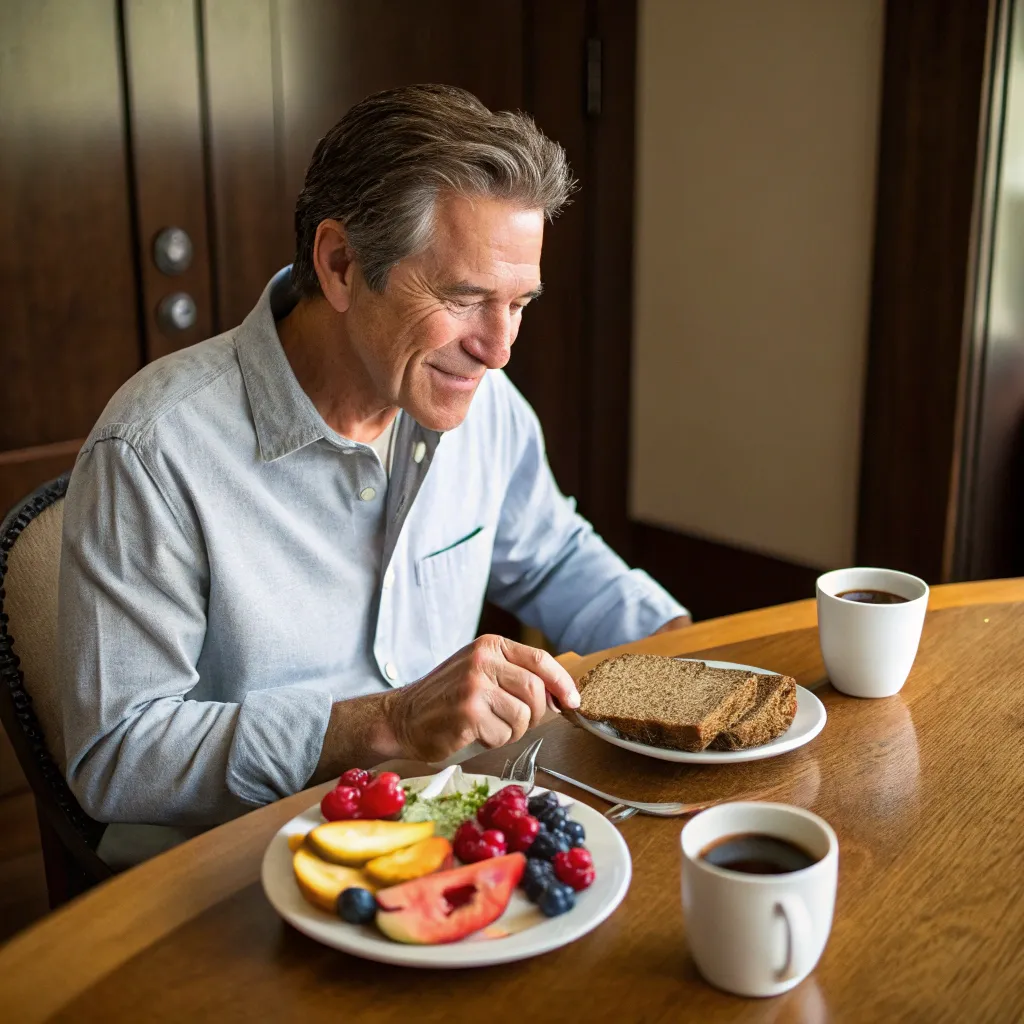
451 312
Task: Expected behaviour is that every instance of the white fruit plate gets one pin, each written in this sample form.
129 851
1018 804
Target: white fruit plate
807 723
529 932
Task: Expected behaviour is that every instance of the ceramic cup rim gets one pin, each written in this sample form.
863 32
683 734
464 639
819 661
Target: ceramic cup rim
699 864
826 588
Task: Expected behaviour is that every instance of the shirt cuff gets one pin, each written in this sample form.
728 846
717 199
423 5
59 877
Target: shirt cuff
278 739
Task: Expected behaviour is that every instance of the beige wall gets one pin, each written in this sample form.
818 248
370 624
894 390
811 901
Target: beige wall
756 149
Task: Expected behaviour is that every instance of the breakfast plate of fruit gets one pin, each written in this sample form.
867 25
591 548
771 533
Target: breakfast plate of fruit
447 870
696 712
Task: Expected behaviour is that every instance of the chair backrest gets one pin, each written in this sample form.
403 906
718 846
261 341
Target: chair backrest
30 540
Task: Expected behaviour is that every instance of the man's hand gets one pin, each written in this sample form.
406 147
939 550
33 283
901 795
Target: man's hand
678 623
490 692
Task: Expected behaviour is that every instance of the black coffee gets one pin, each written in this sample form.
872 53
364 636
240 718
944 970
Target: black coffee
756 854
872 597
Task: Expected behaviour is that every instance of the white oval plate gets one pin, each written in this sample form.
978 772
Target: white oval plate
531 932
807 723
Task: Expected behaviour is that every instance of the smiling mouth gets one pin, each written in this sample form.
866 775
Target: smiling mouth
456 378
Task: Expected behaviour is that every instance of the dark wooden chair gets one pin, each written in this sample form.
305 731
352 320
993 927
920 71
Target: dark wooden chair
30 539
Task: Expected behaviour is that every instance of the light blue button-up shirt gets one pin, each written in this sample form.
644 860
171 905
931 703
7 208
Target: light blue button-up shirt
231 566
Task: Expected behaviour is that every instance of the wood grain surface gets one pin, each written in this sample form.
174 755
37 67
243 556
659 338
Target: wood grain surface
922 789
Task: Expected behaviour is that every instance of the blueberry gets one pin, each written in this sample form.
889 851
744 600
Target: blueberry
574 832
537 875
357 906
547 844
556 899
535 888
538 869
538 805
553 818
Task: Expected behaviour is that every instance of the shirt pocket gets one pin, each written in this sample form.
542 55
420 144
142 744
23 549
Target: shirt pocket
452 582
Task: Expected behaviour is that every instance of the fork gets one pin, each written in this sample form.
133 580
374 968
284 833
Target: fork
659 810
523 771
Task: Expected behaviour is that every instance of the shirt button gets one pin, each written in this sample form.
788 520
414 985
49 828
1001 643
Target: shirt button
391 671
419 451
367 494
389 577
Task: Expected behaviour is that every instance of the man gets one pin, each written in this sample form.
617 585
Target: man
277 543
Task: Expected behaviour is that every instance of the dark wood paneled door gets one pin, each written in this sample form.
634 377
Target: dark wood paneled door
69 330
280 73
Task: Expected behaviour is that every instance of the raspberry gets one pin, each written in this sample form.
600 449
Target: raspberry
358 777
383 797
512 797
472 845
520 829
575 867
342 803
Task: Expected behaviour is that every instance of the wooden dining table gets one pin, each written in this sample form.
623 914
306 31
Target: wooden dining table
924 789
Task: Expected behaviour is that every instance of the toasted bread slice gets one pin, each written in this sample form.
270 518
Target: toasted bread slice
772 714
666 702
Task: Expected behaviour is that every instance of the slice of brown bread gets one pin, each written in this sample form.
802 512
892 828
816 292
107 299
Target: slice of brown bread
772 714
666 702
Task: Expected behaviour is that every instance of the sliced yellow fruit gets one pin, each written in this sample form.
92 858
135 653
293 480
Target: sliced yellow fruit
295 840
321 882
422 858
353 843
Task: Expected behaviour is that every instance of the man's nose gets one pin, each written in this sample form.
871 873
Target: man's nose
492 343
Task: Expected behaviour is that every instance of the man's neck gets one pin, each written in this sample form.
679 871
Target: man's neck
316 345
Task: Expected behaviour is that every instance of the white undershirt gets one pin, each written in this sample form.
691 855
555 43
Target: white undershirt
384 445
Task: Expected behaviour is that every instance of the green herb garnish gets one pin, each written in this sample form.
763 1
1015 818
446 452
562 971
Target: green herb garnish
447 812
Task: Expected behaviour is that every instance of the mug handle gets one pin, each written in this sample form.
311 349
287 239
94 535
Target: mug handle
799 935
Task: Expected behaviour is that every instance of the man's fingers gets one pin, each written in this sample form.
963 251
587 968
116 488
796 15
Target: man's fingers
511 711
526 687
496 723
555 678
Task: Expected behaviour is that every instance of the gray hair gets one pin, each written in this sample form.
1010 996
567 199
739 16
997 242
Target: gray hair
381 168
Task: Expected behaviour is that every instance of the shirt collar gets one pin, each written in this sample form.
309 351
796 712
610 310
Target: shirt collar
284 415
285 418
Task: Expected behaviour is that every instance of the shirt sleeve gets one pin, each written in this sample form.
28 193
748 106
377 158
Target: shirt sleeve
552 570
134 583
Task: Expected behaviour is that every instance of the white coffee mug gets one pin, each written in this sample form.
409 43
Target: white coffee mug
869 648
758 934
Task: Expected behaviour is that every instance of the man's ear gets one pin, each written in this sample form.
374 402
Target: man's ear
334 263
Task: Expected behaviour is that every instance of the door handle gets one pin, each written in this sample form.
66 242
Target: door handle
176 312
172 251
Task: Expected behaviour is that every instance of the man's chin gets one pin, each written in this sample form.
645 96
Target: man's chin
438 407
439 415
441 420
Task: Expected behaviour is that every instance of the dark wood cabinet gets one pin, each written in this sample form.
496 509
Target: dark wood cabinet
70 328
